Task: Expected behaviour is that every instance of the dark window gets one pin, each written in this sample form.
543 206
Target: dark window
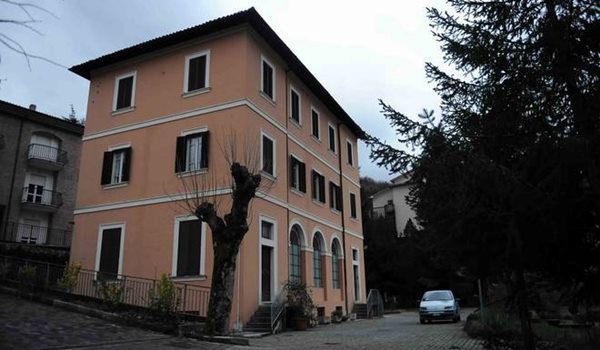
110 249
125 92
317 280
331 138
295 262
315 124
116 166
196 73
189 248
318 187
335 194
295 106
266 230
267 79
352 205
335 265
354 254
268 155
191 152
350 156
297 174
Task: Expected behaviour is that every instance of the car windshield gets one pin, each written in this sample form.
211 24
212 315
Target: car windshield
437 296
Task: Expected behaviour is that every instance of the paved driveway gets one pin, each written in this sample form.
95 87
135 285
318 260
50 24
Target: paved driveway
396 331
26 325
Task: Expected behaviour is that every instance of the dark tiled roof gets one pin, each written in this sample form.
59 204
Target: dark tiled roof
250 17
38 117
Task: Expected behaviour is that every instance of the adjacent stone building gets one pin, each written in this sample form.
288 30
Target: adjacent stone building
39 166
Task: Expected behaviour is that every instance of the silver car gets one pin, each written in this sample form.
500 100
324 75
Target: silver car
439 305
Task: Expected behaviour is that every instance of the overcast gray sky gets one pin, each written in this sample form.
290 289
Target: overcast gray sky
360 51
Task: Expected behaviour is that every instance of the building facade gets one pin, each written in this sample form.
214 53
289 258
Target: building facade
163 119
390 203
39 155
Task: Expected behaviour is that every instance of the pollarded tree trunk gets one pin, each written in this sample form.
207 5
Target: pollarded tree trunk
228 233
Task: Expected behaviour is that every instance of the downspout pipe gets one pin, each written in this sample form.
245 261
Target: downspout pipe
13 176
343 214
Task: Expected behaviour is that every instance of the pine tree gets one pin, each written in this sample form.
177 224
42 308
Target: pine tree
508 179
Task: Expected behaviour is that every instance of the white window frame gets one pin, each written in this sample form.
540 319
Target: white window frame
312 129
335 136
101 229
316 200
202 275
262 86
333 203
114 149
350 205
297 189
273 244
350 156
190 57
356 263
294 90
322 255
262 135
116 91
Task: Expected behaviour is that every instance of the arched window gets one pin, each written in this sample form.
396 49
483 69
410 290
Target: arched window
317 266
295 261
335 264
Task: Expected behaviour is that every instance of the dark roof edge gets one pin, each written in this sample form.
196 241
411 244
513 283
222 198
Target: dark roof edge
41 118
250 16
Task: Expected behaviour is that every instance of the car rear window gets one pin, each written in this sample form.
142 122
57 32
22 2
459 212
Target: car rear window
437 296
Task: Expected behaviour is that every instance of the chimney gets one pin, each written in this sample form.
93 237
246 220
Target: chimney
32 107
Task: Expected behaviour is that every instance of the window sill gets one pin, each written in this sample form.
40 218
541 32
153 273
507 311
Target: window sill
354 219
268 176
295 123
316 139
115 185
332 152
187 94
123 111
192 173
188 278
321 204
335 211
297 192
268 98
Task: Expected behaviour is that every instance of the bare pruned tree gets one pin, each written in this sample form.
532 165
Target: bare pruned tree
28 22
202 194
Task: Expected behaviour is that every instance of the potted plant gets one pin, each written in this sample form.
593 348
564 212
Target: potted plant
300 304
337 315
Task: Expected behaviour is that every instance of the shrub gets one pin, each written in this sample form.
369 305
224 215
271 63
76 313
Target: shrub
26 274
70 276
163 298
111 293
300 301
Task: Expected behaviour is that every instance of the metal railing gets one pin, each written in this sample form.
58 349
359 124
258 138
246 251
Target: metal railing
35 194
278 307
191 299
383 212
23 233
47 153
374 304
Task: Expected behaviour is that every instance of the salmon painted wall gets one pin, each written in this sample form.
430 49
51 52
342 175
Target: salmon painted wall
162 113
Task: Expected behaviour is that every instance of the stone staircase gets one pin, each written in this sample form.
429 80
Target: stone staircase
360 310
260 321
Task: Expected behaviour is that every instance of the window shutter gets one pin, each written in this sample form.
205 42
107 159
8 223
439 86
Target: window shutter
302 177
338 197
292 165
180 154
314 184
322 187
106 168
126 164
204 156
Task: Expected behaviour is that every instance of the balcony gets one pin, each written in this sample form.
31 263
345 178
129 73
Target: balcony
46 157
29 234
36 198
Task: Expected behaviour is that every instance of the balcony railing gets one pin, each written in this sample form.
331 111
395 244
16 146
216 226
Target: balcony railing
384 212
46 157
36 197
23 233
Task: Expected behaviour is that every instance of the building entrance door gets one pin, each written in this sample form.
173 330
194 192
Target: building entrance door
266 268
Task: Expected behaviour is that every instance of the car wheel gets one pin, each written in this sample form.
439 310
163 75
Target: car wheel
422 321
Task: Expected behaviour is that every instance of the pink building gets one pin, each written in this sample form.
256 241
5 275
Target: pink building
161 112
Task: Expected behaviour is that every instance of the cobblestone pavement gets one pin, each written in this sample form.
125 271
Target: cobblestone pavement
26 325
397 331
